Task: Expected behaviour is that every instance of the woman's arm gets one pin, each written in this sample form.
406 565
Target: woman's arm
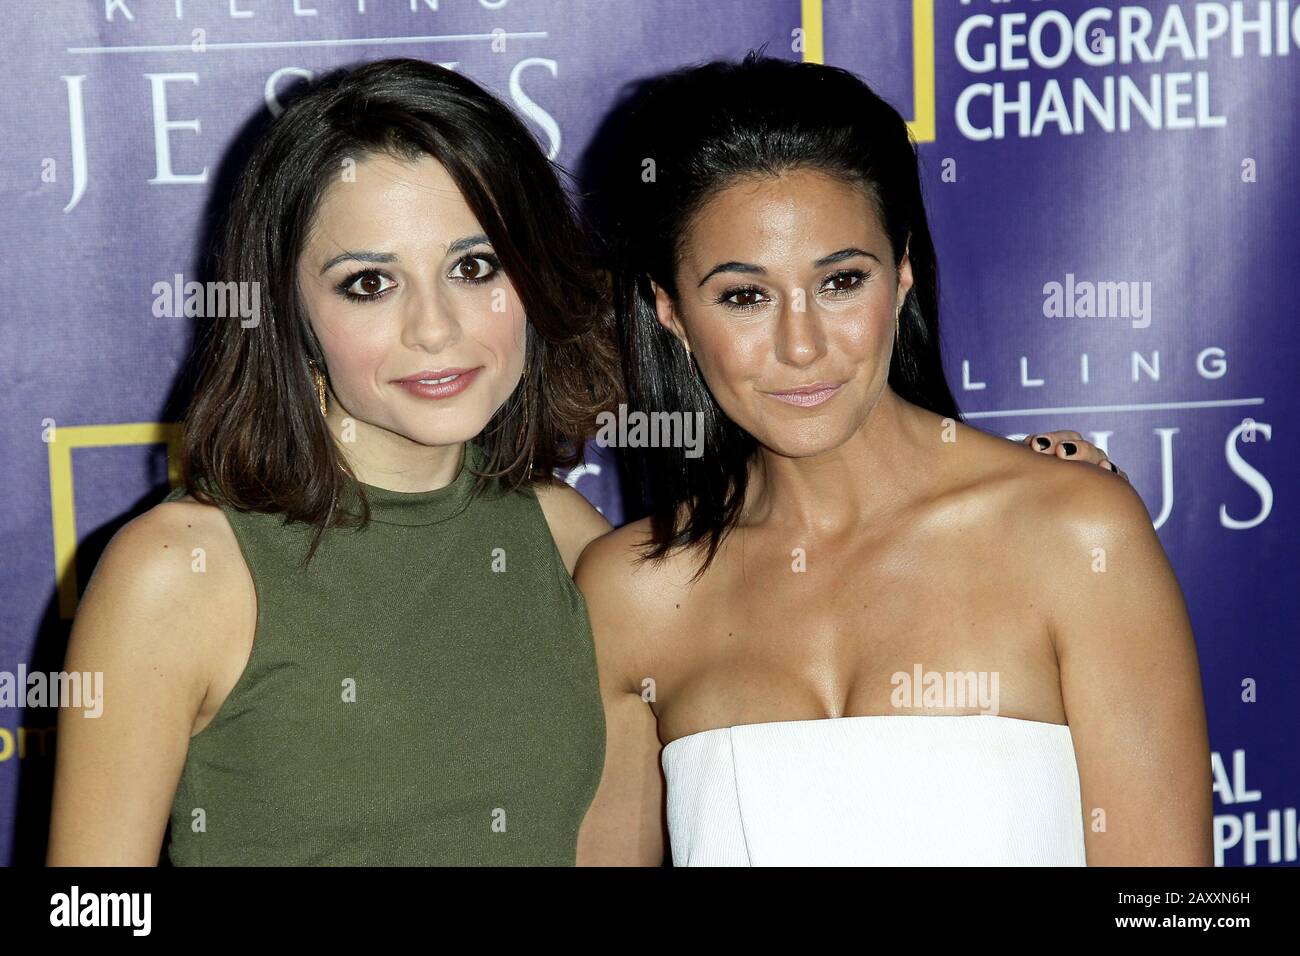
625 825
1130 681
153 626
571 519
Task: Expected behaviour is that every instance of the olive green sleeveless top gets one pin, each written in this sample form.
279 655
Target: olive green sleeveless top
424 692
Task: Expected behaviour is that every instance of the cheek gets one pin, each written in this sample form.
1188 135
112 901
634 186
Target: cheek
502 335
354 347
731 350
355 367
860 334
861 329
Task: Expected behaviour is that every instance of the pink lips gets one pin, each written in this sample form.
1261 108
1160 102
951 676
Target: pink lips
807 396
439 383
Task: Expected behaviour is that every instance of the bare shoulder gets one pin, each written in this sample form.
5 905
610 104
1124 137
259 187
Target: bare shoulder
613 568
1075 500
1080 540
1082 535
170 549
1041 493
169 584
1039 518
1101 556
627 597
571 518
169 608
610 569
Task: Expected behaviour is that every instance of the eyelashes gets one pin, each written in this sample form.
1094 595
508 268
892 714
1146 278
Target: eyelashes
858 277
345 288
354 287
490 258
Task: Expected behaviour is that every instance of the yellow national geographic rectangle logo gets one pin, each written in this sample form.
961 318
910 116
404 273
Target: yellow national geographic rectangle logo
922 126
63 512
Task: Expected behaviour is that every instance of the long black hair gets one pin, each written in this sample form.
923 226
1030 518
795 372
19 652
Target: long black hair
684 137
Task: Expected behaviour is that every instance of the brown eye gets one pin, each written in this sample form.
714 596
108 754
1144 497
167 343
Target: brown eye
366 285
846 281
475 269
741 299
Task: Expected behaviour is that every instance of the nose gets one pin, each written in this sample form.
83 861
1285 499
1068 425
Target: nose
429 322
799 339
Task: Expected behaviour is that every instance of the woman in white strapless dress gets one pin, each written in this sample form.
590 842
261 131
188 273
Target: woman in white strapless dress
828 527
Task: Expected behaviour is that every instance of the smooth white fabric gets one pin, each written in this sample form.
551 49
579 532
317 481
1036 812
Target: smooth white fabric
890 790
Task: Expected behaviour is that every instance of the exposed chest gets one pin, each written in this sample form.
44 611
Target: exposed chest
917 625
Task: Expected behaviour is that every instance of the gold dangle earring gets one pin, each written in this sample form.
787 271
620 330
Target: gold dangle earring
528 469
318 378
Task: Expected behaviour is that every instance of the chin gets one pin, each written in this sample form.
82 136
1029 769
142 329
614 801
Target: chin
452 430
805 439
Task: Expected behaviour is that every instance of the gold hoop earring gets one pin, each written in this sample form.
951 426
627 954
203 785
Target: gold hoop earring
319 379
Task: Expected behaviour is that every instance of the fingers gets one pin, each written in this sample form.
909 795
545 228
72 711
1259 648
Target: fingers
1072 446
1063 435
1049 443
1112 467
1076 449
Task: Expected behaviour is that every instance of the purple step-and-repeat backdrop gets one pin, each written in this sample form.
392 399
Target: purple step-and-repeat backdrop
1111 188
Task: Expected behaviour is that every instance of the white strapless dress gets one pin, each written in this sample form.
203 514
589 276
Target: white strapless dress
888 790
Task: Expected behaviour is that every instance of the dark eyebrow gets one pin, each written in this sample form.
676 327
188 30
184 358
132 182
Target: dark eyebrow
358 257
732 267
843 254
749 267
460 245
469 242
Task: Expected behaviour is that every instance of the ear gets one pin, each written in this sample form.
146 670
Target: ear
666 313
904 275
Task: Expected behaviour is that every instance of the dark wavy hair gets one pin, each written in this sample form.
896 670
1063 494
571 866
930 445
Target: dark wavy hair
705 127
254 437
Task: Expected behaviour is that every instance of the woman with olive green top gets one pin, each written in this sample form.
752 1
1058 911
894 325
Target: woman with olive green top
425 693
352 636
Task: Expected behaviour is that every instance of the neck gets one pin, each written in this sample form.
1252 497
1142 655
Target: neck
867 477
391 461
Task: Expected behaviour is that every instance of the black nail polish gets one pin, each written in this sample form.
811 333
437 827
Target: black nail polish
1042 442
1070 447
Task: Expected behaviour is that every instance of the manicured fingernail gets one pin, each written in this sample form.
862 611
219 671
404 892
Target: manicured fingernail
1042 441
1070 447
1111 466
